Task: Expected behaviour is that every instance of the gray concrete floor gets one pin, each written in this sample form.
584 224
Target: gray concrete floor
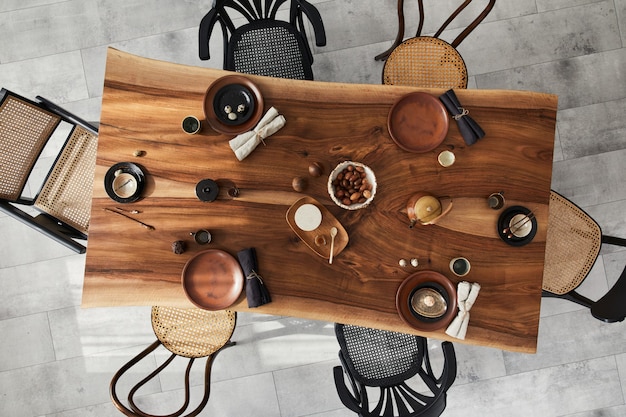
57 359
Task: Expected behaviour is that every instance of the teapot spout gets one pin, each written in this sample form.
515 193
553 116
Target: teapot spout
412 223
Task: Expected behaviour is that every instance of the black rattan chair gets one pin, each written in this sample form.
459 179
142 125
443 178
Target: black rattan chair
398 365
62 198
572 247
264 45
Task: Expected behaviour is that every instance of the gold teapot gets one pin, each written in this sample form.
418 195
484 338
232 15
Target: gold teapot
424 208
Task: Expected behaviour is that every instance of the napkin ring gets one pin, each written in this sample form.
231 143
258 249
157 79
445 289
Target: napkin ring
464 112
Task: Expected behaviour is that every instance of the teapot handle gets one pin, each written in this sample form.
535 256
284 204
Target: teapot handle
444 212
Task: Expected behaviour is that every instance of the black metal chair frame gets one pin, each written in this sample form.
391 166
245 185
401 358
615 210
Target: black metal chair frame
456 42
261 15
395 393
43 222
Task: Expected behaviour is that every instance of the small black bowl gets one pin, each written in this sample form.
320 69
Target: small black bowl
504 223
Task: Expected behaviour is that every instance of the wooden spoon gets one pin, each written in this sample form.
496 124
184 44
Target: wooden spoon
333 233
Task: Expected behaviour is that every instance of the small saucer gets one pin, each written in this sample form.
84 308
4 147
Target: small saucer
523 230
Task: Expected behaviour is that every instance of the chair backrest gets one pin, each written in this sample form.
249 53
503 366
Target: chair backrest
63 196
25 128
456 42
189 333
264 45
389 361
573 243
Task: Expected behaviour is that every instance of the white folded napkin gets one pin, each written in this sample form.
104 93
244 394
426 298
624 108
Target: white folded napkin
466 295
245 143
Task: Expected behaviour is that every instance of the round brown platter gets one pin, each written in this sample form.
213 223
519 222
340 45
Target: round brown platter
212 280
233 90
426 279
418 122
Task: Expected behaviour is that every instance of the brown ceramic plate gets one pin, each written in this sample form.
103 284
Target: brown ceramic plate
212 280
233 90
318 239
418 122
426 279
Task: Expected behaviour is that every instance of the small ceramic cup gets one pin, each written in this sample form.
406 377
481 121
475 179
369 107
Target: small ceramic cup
460 266
191 125
202 236
446 158
496 201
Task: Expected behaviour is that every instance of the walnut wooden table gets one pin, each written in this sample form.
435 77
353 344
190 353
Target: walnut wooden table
143 104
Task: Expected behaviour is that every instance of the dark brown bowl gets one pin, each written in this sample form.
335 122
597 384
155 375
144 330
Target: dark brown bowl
426 279
233 90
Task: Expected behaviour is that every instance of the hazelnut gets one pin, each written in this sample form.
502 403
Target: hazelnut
315 169
298 184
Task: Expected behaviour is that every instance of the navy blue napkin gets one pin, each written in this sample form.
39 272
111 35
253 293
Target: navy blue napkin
470 130
256 292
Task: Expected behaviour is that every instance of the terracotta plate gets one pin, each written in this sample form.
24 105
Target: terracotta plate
431 280
233 90
418 122
318 239
212 280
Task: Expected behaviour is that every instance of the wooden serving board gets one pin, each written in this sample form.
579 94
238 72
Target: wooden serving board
328 221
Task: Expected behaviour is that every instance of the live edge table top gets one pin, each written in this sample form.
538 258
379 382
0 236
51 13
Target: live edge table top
143 104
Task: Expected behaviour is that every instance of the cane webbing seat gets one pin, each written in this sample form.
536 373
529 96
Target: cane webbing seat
192 333
66 193
21 144
186 333
62 197
427 62
572 245
386 363
264 45
259 46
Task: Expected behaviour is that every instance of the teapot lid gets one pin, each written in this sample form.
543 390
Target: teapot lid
427 208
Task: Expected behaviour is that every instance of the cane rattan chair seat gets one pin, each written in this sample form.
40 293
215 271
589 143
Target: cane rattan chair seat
63 196
573 243
387 362
425 61
192 333
186 333
572 246
428 61
66 193
264 45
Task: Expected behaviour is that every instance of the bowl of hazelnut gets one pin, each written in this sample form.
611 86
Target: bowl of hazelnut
352 185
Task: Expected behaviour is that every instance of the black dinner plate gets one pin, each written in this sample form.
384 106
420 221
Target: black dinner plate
233 95
128 168
504 221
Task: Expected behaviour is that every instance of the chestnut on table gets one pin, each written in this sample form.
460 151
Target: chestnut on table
143 104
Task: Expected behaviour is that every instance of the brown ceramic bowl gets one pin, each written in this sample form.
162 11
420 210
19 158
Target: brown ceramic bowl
212 280
418 122
429 280
231 91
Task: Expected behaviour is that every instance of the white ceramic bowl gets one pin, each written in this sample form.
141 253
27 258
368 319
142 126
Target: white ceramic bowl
369 174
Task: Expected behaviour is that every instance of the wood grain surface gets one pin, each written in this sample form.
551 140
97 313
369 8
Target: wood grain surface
143 104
